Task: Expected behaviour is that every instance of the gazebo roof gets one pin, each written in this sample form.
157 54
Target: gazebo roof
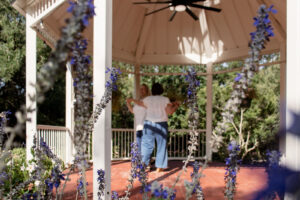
215 37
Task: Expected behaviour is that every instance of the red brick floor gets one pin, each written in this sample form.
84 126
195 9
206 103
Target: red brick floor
250 180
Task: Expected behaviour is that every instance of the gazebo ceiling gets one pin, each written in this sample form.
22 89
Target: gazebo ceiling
215 37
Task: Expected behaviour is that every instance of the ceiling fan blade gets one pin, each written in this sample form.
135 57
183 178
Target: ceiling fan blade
193 1
173 15
191 13
205 7
158 10
151 2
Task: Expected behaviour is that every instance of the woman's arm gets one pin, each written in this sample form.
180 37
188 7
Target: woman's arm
129 106
139 102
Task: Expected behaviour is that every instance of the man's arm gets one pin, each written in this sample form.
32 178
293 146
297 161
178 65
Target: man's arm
172 107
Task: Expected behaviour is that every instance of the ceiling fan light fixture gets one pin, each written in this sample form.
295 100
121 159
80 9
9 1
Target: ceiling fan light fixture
180 8
172 8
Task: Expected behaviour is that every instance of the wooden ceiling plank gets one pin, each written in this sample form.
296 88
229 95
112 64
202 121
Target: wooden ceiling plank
131 32
215 36
143 36
160 21
245 17
188 33
224 31
232 21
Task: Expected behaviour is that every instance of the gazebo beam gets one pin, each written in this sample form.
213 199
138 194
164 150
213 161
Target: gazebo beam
30 85
192 59
102 58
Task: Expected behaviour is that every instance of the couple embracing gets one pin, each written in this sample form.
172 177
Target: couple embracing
151 117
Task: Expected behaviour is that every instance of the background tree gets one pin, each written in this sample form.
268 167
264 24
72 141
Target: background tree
12 69
260 116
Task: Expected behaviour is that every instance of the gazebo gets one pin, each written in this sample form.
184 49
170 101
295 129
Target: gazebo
120 31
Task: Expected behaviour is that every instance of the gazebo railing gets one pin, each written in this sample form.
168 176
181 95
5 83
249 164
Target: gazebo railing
177 144
55 138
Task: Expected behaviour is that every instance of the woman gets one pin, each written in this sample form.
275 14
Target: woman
158 108
139 114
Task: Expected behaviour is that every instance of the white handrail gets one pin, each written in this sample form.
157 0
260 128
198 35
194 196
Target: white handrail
55 137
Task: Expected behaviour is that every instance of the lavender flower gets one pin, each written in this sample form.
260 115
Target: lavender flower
112 83
82 11
238 77
262 34
194 186
281 180
272 170
3 178
101 182
81 187
55 178
232 168
137 171
193 82
158 191
3 120
273 158
114 195
30 196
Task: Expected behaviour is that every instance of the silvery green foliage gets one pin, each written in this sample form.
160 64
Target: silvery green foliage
137 171
243 80
110 86
44 187
191 79
193 84
232 168
81 12
159 192
83 95
194 187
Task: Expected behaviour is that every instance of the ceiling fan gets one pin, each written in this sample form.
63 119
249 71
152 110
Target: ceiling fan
179 6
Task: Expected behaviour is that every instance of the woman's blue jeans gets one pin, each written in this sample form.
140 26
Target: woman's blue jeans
139 135
155 132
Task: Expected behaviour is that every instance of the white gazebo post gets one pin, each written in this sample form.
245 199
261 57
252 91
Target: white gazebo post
30 84
137 83
102 58
292 143
203 24
69 114
209 109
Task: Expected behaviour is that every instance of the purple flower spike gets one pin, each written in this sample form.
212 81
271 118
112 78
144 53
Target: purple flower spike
238 77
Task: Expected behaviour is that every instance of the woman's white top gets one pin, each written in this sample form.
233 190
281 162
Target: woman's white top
156 108
139 117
